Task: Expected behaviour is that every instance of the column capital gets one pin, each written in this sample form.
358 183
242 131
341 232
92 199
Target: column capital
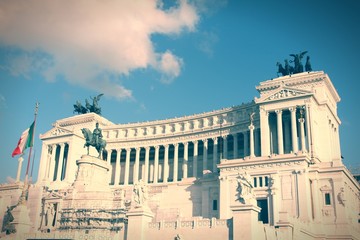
224 136
138 149
166 146
147 148
186 143
195 142
278 111
175 144
292 109
128 149
215 139
157 147
301 120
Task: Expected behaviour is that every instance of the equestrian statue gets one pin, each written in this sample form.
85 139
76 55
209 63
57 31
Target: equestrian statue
94 139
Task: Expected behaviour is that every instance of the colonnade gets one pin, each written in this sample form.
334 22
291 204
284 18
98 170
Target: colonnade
55 166
282 130
175 161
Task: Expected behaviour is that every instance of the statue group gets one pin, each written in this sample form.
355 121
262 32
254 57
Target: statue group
298 66
94 107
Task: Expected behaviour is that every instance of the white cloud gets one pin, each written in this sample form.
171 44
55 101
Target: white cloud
85 39
170 66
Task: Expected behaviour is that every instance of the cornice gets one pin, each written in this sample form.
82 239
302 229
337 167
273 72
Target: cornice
81 119
193 117
287 160
166 140
291 80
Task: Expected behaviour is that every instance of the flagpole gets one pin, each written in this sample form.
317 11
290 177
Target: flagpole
32 140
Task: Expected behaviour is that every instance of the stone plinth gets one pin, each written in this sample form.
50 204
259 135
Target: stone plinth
21 221
245 218
92 174
138 220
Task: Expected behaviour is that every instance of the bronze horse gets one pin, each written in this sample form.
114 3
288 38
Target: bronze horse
100 147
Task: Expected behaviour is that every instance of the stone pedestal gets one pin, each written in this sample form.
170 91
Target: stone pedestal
21 221
245 222
285 228
92 174
138 219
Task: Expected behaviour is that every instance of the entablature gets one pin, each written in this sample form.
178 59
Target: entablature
283 162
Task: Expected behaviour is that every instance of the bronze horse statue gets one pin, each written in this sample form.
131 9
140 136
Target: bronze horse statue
100 147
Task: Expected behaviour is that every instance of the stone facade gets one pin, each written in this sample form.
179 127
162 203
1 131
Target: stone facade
268 169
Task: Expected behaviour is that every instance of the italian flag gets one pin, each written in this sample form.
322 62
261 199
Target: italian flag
25 141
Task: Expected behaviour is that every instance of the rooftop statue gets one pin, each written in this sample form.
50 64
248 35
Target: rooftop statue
80 109
94 139
94 107
298 66
308 64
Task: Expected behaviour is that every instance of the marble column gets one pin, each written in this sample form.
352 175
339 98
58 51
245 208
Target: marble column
44 161
265 132
236 154
279 132
60 162
302 134
18 173
295 147
147 156
316 194
215 156
127 166
117 167
176 162
195 158
186 158
166 163
48 162
136 166
156 164
225 156
51 173
108 157
252 151
205 148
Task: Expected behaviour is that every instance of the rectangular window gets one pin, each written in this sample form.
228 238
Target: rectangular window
260 181
266 181
327 199
255 182
215 207
263 214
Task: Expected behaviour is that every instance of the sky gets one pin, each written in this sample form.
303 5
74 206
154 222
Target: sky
155 60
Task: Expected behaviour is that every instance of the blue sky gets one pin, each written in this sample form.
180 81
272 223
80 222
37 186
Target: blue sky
162 60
